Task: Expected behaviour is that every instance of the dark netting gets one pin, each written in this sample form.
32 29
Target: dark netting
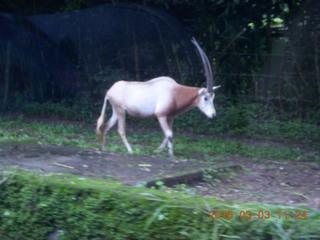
138 39
51 55
31 65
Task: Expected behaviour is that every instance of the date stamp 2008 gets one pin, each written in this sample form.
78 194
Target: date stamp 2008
299 215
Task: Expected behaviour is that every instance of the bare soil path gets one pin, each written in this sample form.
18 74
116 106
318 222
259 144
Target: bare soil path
285 183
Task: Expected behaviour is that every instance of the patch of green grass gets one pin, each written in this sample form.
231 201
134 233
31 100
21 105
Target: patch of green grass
143 142
223 147
235 117
294 130
250 119
36 204
52 132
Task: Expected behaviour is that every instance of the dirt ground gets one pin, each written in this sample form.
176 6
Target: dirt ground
290 183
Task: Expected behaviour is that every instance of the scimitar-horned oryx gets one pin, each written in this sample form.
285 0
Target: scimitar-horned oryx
160 97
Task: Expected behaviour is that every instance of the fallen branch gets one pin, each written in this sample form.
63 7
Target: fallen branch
62 165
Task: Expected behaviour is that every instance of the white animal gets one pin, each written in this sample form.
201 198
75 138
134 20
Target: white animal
160 97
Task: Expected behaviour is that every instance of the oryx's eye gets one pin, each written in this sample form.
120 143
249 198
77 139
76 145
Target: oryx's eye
206 98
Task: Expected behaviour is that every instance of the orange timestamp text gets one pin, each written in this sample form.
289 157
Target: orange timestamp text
300 215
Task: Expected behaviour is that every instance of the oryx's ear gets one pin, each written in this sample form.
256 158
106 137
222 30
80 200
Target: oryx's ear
202 91
216 87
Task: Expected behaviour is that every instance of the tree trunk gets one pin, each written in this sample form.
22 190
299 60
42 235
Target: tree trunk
6 77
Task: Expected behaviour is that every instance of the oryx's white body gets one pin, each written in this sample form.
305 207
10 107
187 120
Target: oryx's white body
161 97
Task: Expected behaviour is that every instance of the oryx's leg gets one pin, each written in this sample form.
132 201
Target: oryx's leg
111 122
122 128
165 140
166 126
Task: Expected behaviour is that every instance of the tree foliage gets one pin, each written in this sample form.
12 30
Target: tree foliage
268 50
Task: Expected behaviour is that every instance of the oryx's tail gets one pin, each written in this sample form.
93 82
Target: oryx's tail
100 122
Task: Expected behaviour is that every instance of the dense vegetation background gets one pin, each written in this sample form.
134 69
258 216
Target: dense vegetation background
263 52
58 57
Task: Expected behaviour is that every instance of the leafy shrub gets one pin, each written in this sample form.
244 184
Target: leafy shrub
36 206
234 117
80 108
103 80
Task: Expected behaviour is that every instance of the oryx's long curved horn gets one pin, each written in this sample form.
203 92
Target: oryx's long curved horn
206 65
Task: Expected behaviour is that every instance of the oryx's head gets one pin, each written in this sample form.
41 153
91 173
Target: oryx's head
206 94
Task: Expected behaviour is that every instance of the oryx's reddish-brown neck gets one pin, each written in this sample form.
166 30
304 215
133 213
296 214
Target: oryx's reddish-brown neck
184 98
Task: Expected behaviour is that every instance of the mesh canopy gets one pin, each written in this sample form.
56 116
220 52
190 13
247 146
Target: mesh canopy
31 64
53 55
127 36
